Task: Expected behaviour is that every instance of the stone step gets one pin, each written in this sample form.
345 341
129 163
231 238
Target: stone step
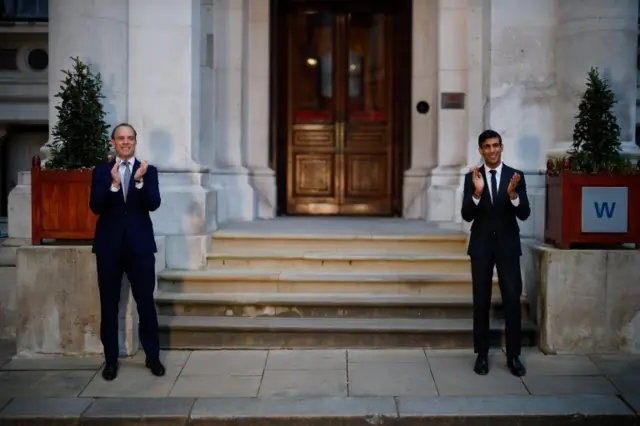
250 281
340 262
196 332
440 241
306 305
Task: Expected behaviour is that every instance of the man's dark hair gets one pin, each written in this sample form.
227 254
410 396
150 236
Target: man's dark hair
113 132
488 134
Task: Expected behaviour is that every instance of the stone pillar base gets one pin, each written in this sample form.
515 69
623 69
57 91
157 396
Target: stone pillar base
186 217
20 208
444 196
58 302
263 181
414 193
236 197
588 301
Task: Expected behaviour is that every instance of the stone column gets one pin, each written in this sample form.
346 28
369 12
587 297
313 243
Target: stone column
520 102
424 87
230 56
452 136
604 35
164 102
256 103
97 33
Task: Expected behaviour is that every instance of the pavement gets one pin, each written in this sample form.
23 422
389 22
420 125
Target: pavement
323 387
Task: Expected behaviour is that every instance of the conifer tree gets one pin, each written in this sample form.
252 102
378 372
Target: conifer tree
81 135
596 135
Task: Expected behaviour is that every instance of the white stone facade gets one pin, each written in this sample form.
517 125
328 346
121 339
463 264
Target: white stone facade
193 77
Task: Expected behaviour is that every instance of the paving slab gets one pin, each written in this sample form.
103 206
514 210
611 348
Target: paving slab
278 383
216 386
633 400
132 381
566 385
386 356
3 402
235 363
383 379
539 364
617 364
43 383
321 359
454 376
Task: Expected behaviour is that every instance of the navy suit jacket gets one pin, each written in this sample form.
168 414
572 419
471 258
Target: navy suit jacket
495 222
124 224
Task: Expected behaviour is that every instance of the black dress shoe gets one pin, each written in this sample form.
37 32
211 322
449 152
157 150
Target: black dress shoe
516 367
481 366
110 371
156 367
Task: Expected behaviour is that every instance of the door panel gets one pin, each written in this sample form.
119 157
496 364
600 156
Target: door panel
339 143
367 148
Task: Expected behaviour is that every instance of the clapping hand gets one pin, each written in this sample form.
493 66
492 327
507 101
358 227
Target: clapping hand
478 182
141 170
513 183
115 174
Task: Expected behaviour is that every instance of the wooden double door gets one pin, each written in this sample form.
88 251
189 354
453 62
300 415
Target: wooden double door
342 143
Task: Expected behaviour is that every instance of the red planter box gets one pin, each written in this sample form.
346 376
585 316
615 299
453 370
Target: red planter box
563 221
60 205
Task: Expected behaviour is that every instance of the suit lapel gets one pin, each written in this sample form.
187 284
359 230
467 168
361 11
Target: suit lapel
505 177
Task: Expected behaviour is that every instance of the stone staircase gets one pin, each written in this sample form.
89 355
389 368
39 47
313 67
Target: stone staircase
294 290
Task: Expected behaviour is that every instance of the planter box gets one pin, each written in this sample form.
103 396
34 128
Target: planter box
592 209
60 205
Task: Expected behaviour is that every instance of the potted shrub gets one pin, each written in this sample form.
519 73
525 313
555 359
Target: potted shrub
60 189
593 193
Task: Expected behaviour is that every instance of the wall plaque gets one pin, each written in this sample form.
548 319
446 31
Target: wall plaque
452 100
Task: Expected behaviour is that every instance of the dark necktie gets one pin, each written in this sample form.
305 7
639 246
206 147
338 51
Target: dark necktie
127 179
494 186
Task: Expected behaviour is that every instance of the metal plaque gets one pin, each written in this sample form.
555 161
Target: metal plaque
452 100
605 209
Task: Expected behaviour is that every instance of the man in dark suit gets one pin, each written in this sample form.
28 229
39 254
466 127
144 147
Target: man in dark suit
494 196
122 194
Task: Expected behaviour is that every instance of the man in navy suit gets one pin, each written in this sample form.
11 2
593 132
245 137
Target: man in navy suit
122 195
495 241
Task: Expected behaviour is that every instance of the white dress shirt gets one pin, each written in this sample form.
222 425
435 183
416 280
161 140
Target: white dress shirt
515 201
132 161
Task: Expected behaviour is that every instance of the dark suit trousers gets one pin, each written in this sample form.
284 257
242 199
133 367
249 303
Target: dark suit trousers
510 281
140 269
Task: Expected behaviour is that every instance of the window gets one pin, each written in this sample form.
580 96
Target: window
24 10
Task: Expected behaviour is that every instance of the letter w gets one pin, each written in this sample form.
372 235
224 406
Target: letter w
604 209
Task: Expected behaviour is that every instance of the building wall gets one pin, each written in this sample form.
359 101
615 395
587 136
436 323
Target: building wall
193 77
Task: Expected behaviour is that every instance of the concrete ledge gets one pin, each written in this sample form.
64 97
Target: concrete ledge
321 411
588 301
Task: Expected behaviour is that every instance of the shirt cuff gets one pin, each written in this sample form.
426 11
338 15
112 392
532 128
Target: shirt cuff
476 201
139 184
114 189
516 201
